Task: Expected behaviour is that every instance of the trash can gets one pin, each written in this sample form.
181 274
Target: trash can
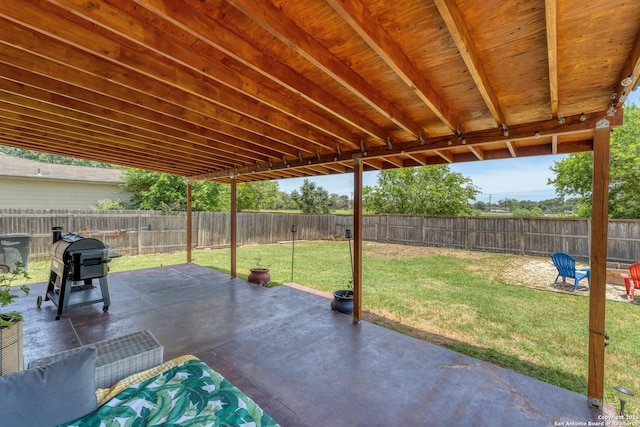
14 248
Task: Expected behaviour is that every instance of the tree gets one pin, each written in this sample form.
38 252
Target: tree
341 201
428 190
573 174
52 158
312 198
258 195
168 193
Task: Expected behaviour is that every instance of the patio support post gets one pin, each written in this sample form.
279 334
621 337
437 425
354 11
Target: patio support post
597 291
357 240
234 225
189 222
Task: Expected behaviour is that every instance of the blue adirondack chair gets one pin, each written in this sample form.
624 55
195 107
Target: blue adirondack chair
566 265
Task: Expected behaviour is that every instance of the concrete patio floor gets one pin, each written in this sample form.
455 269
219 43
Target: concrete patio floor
301 362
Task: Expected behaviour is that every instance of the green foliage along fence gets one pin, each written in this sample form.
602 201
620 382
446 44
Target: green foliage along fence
144 232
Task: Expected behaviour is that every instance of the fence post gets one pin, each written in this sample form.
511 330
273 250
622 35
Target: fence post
199 230
271 228
139 234
70 224
522 249
386 217
466 233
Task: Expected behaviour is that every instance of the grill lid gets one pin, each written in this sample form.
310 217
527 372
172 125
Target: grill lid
71 242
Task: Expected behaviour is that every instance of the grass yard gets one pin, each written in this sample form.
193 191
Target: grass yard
458 299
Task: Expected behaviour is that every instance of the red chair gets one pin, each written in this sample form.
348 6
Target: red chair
632 280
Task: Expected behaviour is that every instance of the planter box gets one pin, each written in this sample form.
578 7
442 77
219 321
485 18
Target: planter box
11 354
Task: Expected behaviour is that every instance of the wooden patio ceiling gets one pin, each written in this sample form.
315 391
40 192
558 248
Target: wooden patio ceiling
275 89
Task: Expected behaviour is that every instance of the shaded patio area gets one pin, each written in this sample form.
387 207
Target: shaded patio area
303 363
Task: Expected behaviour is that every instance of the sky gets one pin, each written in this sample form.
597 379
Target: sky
520 178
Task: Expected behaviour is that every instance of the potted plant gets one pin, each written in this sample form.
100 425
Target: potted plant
259 275
343 298
11 322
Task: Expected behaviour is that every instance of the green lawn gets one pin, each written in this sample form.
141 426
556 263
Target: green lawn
453 298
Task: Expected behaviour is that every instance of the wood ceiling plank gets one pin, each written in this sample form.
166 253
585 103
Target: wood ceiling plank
40 112
460 34
214 22
176 44
65 148
192 129
157 72
288 32
69 99
107 142
364 23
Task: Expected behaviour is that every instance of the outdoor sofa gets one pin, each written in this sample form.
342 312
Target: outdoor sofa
123 380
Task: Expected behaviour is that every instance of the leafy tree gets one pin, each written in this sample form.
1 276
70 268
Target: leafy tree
429 190
573 174
52 158
109 205
155 190
210 196
341 201
534 212
168 193
312 198
258 195
480 206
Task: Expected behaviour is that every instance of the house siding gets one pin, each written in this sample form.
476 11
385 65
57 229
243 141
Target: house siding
46 194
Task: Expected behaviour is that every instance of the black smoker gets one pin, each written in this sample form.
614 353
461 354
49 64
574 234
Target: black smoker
75 261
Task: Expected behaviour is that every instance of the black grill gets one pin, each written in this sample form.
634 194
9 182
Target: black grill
75 261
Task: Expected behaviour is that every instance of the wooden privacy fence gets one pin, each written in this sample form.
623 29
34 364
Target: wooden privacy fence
514 235
144 232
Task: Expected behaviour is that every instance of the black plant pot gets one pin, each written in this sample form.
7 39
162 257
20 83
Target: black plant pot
343 301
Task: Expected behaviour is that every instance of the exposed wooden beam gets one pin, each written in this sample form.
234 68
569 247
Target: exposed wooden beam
477 151
189 222
155 75
158 106
357 239
287 31
631 71
214 20
551 15
418 158
177 44
545 129
395 161
358 16
446 155
460 34
554 144
598 263
374 163
511 149
234 227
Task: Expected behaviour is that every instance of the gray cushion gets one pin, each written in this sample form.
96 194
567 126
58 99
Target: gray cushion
50 395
